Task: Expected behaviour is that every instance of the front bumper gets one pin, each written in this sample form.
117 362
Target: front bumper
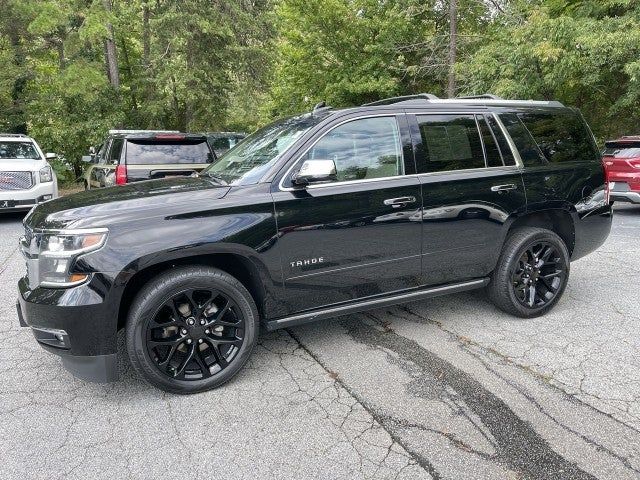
26 199
76 324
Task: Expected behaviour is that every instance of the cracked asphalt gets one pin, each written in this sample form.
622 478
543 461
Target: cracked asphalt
448 388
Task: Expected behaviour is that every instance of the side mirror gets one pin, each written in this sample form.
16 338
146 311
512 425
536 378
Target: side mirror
50 156
87 158
315 171
92 150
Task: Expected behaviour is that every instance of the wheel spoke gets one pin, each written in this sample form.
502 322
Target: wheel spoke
180 370
548 285
173 340
532 295
170 355
202 364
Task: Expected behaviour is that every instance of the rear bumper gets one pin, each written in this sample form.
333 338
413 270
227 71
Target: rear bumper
631 197
76 324
591 230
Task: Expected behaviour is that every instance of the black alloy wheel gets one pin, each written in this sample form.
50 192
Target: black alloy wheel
195 334
539 275
531 273
191 329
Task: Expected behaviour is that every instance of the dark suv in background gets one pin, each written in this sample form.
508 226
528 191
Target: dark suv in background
312 217
132 155
222 141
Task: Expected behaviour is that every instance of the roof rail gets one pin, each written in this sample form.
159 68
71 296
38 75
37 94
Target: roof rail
403 98
124 132
15 135
484 95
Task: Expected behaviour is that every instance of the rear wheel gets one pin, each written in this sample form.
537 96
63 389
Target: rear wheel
531 274
191 329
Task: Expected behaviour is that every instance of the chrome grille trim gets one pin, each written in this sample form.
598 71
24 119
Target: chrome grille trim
16 180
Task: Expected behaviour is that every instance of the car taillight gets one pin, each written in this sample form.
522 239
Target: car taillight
121 174
607 190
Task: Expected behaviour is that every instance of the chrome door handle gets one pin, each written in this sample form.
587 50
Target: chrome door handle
504 188
400 201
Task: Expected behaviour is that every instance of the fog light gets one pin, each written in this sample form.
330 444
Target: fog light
47 197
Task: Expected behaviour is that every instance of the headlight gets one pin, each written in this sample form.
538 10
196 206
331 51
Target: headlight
46 175
57 251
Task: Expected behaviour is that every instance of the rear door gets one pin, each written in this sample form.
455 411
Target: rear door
154 158
359 236
471 184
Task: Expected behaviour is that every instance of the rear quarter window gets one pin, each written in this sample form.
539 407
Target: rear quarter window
152 152
551 137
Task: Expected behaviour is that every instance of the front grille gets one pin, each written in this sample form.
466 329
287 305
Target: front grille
16 180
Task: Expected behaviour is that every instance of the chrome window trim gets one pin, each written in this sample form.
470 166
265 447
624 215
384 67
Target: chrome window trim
514 151
281 186
510 142
470 170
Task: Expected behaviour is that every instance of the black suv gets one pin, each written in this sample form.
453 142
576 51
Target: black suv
133 155
311 217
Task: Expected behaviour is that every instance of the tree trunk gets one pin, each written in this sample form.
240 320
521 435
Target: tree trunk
146 36
110 52
453 45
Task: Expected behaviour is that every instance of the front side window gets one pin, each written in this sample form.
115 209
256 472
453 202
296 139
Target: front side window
362 149
451 142
21 150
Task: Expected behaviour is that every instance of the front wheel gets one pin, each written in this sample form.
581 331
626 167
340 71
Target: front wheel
531 274
191 329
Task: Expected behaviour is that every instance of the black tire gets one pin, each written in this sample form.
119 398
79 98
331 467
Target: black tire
163 289
509 277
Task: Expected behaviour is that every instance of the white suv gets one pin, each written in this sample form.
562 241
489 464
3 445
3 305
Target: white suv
26 178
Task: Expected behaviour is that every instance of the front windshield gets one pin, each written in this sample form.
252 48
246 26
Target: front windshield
252 158
22 150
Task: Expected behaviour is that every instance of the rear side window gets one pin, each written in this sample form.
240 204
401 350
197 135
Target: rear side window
451 142
553 137
153 152
494 158
505 149
116 150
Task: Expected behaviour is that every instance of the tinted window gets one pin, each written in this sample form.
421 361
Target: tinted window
14 150
146 152
362 149
526 145
494 159
560 136
621 150
451 142
116 150
505 149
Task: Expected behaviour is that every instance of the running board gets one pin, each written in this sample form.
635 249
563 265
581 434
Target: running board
372 303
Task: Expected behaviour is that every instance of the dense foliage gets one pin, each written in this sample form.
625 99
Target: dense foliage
71 69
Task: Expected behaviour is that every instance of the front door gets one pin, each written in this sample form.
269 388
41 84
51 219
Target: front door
471 186
360 235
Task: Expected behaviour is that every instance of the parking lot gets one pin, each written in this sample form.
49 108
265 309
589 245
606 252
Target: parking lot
448 388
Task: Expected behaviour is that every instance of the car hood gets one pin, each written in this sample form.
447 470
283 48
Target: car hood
20 164
125 203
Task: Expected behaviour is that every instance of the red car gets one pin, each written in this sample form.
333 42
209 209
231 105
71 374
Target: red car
621 158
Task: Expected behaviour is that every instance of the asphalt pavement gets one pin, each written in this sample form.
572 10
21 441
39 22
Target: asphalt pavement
448 388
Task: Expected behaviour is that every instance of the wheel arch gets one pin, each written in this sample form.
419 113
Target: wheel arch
238 265
558 220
